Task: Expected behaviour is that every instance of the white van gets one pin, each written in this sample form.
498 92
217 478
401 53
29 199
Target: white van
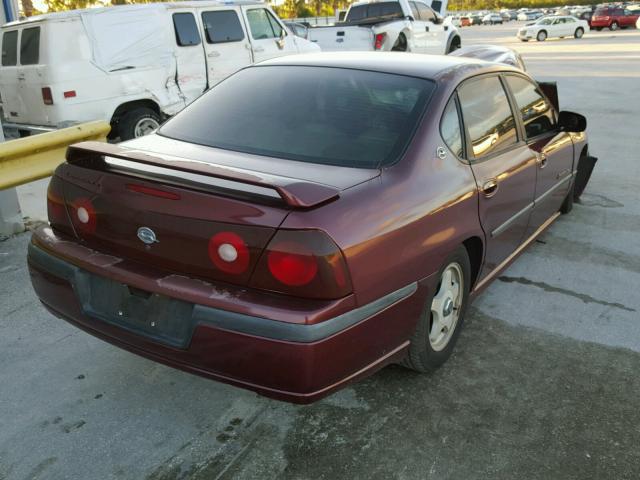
131 65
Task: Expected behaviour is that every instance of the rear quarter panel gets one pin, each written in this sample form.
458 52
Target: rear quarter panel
400 227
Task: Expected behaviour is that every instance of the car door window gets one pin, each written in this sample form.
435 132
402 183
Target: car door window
186 30
538 115
222 26
10 48
450 128
30 46
262 24
487 116
426 14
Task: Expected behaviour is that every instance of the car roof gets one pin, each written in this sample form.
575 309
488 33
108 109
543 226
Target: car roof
132 7
433 67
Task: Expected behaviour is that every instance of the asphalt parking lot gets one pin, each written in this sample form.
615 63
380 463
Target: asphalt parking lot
543 384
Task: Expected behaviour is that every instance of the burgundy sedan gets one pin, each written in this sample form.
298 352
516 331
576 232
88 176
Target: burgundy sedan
310 219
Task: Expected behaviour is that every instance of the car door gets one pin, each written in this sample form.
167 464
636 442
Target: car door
552 148
268 37
419 30
435 32
190 60
226 45
503 165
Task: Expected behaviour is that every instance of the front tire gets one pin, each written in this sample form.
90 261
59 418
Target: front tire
579 33
542 36
441 321
614 26
137 123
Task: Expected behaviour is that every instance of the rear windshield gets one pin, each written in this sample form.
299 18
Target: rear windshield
9 48
374 10
319 115
30 46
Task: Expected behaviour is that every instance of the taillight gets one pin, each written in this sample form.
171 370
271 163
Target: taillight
83 215
56 209
229 252
379 40
304 263
47 97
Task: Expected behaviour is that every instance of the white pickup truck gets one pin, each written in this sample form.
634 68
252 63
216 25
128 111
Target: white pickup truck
396 25
131 65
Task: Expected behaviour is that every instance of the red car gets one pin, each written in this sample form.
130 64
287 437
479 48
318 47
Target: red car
292 250
613 18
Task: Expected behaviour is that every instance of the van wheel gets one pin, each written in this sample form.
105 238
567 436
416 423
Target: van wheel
579 33
613 26
542 36
441 321
138 123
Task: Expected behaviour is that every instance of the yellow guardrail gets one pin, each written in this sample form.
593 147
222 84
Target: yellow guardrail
31 158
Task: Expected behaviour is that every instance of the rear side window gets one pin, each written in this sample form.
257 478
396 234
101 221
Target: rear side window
30 46
333 116
186 29
450 128
536 111
10 48
222 26
374 10
262 24
487 116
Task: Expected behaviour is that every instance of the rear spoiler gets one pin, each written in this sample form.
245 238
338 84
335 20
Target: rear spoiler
293 192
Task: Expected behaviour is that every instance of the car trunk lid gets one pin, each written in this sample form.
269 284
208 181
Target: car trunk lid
176 213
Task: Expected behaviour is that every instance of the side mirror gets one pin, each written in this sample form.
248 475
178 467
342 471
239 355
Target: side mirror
572 122
438 20
410 18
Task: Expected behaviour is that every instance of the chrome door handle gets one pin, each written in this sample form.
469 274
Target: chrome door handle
490 187
258 49
213 54
542 160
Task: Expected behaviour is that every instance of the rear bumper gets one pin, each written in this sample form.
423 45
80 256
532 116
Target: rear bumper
296 362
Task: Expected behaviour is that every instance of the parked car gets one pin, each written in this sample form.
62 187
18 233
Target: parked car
133 65
476 19
298 29
613 17
492 53
556 26
529 15
492 19
506 16
465 21
292 254
393 25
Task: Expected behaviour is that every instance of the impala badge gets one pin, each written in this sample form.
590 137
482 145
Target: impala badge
147 236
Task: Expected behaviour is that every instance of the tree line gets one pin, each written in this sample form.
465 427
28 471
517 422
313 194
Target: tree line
311 8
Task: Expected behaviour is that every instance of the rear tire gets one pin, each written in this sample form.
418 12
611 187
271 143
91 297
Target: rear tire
614 26
579 33
401 44
433 340
137 123
542 36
